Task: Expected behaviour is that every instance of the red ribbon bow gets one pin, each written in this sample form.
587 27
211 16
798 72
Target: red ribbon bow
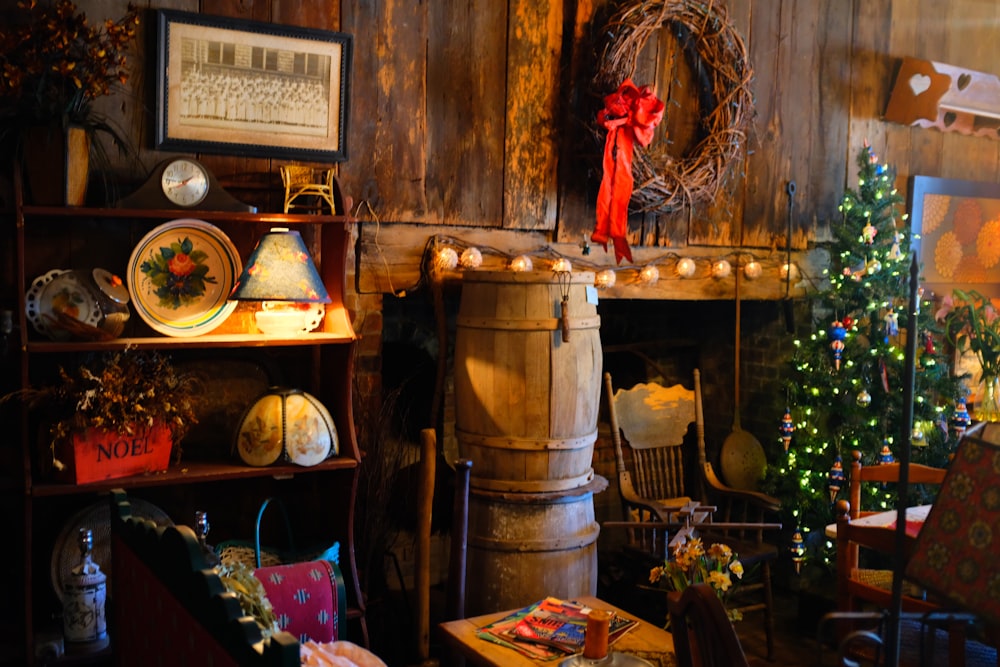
629 115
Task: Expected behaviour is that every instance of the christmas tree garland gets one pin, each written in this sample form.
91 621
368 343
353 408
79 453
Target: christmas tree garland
664 183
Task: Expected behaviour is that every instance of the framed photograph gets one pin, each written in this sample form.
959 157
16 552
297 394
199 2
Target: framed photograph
238 87
956 234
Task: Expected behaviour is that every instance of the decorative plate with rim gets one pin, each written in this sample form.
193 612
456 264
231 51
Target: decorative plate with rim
96 517
60 293
180 276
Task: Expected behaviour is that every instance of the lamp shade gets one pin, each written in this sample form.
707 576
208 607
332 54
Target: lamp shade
287 422
280 269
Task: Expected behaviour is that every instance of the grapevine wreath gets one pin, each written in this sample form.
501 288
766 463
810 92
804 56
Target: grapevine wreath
664 183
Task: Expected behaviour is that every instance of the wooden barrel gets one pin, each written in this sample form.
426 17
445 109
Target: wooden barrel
523 547
526 396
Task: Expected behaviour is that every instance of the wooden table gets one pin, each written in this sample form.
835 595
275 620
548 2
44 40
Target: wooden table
886 519
646 641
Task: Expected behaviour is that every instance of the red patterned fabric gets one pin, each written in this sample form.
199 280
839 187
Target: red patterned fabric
304 598
959 545
629 115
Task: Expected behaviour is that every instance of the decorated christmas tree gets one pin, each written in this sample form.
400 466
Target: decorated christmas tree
845 382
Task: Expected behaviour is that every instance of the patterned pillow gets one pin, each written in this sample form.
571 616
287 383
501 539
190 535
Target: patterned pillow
307 598
959 546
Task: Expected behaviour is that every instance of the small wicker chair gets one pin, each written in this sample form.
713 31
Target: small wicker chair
313 185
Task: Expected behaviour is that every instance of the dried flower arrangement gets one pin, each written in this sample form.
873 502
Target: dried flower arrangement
126 389
238 579
54 64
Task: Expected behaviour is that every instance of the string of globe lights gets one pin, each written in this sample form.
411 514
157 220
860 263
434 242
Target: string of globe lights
444 254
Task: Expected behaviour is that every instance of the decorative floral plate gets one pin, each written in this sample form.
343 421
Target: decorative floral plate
59 293
180 276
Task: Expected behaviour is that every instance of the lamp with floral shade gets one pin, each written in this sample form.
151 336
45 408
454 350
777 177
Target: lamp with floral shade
280 274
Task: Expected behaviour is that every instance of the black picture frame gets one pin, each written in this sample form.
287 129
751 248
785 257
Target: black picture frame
956 234
236 87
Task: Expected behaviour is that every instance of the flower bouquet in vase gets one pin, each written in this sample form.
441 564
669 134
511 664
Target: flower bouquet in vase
972 325
693 564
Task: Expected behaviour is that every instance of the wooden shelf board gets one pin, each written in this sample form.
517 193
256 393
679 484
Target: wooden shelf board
189 472
75 213
207 340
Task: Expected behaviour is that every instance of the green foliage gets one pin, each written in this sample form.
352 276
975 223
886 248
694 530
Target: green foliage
859 406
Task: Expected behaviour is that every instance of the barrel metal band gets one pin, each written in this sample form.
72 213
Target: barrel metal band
532 486
563 543
546 324
525 444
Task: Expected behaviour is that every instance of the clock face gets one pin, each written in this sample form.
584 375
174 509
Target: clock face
184 182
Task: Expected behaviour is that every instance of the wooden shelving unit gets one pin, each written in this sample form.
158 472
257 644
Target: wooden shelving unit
320 498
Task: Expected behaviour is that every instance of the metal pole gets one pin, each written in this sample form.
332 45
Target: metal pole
906 432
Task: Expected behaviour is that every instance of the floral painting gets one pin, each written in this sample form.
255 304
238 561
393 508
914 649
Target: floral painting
956 231
179 274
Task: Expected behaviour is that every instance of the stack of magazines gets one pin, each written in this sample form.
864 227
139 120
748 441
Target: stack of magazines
549 629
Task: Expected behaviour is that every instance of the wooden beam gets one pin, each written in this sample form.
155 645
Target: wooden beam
391 258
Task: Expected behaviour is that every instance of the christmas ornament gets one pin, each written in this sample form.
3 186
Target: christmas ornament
928 342
787 428
798 549
521 263
838 333
685 267
864 398
868 233
471 258
874 267
891 320
886 455
836 479
917 437
961 419
895 253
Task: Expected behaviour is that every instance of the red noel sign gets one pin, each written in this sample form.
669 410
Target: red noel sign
629 115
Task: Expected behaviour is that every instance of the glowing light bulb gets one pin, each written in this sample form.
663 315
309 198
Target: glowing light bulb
649 275
471 258
790 272
721 269
605 279
521 263
562 265
445 259
686 267
753 269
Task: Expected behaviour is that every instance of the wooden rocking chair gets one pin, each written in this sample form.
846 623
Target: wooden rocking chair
648 425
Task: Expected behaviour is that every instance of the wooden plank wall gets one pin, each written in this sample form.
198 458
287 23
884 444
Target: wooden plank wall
823 71
478 114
